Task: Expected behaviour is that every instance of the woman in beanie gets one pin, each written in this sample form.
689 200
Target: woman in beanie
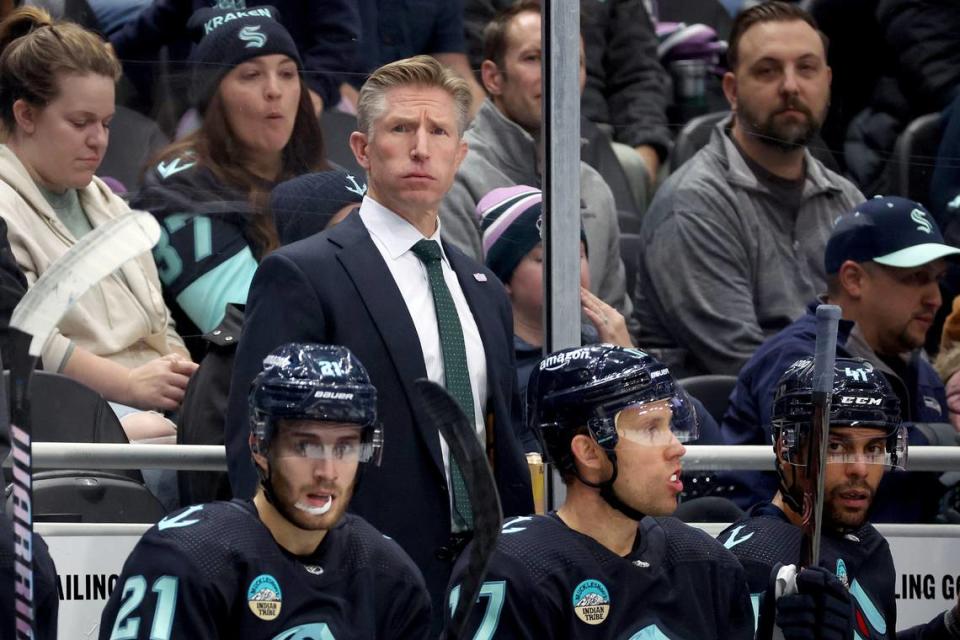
56 102
210 190
510 221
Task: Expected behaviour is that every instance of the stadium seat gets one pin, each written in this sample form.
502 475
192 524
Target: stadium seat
337 127
914 156
630 250
90 496
136 139
712 390
64 410
693 136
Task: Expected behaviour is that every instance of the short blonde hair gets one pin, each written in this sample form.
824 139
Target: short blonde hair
423 71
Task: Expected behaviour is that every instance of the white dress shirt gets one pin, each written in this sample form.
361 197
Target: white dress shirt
394 237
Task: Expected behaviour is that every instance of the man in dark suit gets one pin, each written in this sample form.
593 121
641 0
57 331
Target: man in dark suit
382 284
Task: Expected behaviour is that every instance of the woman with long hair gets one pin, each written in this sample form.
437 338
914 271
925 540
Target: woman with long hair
210 189
56 102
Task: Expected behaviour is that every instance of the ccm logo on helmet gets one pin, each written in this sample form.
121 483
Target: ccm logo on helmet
859 400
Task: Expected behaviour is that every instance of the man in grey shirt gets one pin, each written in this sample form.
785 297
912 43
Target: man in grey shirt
734 240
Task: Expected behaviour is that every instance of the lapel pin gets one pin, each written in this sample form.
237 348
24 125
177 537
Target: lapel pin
480 277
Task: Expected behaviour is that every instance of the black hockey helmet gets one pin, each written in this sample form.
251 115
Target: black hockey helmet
590 387
862 397
314 382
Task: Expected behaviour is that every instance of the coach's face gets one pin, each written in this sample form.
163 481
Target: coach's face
413 151
780 89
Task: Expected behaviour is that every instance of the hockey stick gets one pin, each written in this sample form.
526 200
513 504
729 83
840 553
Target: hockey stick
443 412
99 253
824 358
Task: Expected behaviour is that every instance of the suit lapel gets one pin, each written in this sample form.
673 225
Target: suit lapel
377 289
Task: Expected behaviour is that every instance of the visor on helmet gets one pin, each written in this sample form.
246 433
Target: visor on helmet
334 442
884 446
652 423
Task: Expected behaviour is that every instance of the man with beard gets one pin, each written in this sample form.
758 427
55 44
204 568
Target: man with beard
884 261
733 241
866 437
290 563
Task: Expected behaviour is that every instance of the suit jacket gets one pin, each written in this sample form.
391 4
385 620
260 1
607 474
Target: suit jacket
335 288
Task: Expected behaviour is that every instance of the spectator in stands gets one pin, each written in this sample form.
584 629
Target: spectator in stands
409 306
56 102
921 74
300 207
733 241
325 33
505 150
393 30
511 220
210 189
883 261
626 88
945 185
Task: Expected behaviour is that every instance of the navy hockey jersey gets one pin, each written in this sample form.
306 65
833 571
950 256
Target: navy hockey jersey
214 571
861 559
546 580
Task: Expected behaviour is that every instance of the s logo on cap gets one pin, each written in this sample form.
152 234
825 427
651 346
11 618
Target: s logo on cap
252 36
923 223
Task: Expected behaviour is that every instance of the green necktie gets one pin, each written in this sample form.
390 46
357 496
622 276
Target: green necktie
455 371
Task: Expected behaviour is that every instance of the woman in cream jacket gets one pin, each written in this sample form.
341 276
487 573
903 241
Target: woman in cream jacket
56 102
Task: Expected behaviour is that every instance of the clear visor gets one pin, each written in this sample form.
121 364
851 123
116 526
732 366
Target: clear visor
858 443
344 444
656 424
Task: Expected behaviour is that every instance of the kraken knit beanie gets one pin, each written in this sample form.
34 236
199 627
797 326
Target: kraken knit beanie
225 38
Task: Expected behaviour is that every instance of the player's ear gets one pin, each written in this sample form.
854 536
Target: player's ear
589 457
258 458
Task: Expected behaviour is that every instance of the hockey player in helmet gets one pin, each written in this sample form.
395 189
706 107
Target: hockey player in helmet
606 564
853 588
291 563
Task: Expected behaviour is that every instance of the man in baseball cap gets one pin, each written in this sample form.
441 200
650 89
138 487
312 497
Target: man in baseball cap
884 261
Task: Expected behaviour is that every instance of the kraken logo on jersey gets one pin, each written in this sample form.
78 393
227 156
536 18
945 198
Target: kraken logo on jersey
869 623
651 632
314 631
591 601
265 598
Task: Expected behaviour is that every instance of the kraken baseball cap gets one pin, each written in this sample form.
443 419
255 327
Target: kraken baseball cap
888 230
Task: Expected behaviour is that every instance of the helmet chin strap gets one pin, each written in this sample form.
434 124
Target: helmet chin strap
608 493
792 496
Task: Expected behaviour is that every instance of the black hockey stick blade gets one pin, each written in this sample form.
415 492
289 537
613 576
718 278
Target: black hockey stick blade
825 356
443 413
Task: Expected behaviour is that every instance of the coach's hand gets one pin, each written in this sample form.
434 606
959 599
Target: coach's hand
821 610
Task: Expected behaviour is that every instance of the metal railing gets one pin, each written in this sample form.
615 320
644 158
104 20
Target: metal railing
64 455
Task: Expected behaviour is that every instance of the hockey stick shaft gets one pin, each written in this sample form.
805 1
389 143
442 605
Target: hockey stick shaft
21 367
443 413
825 356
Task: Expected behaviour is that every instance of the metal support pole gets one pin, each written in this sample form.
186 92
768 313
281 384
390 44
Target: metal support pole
560 136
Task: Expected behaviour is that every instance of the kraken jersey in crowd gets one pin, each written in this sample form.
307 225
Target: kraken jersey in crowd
548 581
214 571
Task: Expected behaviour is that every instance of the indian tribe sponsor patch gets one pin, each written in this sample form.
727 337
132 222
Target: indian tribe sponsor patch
591 601
264 597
